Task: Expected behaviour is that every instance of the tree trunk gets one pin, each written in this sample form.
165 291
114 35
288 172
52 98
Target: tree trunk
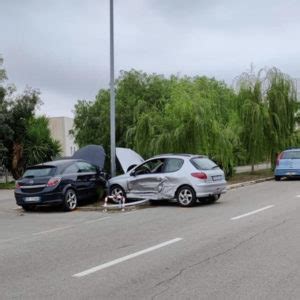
17 165
6 175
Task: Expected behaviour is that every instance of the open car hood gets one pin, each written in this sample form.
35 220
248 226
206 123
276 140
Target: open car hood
93 154
128 158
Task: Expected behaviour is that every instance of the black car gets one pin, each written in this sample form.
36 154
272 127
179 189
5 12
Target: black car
63 182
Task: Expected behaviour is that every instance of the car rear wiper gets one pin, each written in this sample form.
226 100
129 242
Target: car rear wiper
215 167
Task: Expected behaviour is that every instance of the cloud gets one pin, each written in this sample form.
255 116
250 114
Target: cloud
62 47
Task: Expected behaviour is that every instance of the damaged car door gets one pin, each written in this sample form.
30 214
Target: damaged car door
171 178
146 179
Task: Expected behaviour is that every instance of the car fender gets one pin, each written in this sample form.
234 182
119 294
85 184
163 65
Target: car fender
68 186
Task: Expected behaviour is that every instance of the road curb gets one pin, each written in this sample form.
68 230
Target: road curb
246 183
90 208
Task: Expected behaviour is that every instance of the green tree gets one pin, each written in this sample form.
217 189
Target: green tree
24 139
155 114
282 107
5 130
254 117
39 146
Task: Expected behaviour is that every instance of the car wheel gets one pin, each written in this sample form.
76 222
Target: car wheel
186 196
277 178
116 191
210 199
28 207
70 201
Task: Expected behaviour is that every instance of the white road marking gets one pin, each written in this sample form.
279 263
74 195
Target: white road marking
8 240
53 230
298 196
252 212
124 258
96 220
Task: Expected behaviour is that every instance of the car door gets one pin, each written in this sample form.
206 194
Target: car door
72 175
172 177
145 180
86 179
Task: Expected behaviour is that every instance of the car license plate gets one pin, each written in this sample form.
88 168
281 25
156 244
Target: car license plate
216 178
32 199
291 173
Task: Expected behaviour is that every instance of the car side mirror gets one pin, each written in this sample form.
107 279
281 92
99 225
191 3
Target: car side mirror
132 173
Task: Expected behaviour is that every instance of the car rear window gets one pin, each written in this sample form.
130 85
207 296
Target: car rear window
39 172
203 163
291 155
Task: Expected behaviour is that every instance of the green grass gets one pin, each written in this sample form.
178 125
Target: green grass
248 176
7 186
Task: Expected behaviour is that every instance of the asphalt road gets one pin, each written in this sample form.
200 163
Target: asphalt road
246 246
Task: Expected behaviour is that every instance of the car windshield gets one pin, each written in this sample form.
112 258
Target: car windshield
291 155
39 172
203 163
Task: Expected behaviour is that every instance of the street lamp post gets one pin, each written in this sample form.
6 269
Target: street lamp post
112 95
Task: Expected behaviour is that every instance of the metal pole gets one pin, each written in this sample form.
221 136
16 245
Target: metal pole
112 94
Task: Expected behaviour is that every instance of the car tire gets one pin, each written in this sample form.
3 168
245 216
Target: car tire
186 196
277 178
70 200
117 190
27 207
210 199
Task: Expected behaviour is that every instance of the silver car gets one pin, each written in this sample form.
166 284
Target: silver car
184 177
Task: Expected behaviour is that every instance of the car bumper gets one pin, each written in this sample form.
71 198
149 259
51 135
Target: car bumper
287 172
210 189
38 198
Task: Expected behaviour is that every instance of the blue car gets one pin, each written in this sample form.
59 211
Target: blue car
288 164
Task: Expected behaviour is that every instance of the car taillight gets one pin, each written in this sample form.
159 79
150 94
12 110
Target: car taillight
199 175
278 158
17 185
53 181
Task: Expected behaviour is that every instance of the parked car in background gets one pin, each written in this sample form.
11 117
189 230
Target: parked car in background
288 164
184 177
63 182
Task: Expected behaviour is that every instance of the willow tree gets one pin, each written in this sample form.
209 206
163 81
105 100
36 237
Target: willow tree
282 108
195 119
254 117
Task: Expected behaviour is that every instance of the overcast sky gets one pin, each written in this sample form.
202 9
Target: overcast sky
61 47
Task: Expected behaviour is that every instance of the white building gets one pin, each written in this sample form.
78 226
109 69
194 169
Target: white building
60 128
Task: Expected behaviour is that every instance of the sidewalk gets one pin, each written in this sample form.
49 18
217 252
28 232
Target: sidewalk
243 169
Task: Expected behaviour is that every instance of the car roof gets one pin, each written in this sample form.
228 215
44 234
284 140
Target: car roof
181 155
57 163
291 149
